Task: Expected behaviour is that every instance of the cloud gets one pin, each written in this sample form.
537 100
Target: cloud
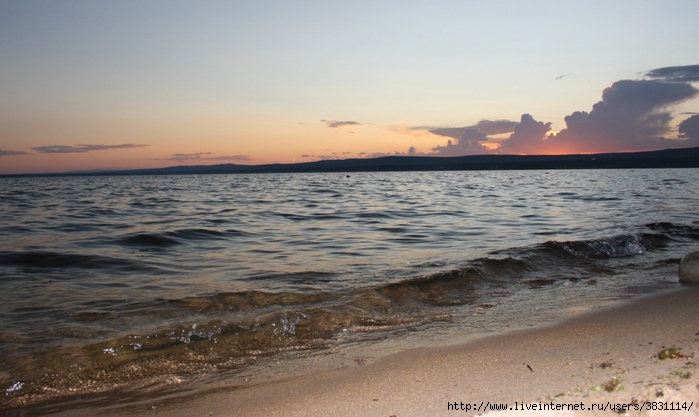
204 156
11 153
83 148
337 123
450 132
689 128
632 116
182 157
685 74
528 136
495 127
487 127
332 156
346 154
469 143
415 131
471 140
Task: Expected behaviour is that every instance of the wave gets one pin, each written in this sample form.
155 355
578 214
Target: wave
614 247
47 260
673 230
156 240
175 237
225 331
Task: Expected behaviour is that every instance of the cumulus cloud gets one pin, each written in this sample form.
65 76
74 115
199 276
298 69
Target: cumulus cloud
11 153
689 129
469 143
471 140
686 73
527 138
83 148
633 115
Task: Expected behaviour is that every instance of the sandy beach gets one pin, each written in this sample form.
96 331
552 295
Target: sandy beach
642 353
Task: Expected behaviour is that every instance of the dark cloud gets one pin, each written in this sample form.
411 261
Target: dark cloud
469 143
487 127
11 153
496 127
450 132
528 136
686 73
470 139
631 116
689 128
83 148
338 123
646 94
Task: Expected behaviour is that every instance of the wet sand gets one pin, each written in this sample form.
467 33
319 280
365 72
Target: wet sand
610 357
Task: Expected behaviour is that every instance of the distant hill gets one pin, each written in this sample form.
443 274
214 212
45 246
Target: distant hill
669 158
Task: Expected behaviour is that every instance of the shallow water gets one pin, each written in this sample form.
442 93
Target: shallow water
161 284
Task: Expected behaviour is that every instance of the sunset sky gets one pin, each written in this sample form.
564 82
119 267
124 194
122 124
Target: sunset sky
136 84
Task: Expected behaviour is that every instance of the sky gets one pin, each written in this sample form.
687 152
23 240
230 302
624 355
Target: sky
124 84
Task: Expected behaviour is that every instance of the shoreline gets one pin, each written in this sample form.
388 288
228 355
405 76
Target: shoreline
607 356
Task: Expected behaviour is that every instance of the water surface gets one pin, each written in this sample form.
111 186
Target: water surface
146 285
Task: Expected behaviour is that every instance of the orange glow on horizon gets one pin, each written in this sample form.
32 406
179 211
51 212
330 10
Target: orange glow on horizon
492 146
